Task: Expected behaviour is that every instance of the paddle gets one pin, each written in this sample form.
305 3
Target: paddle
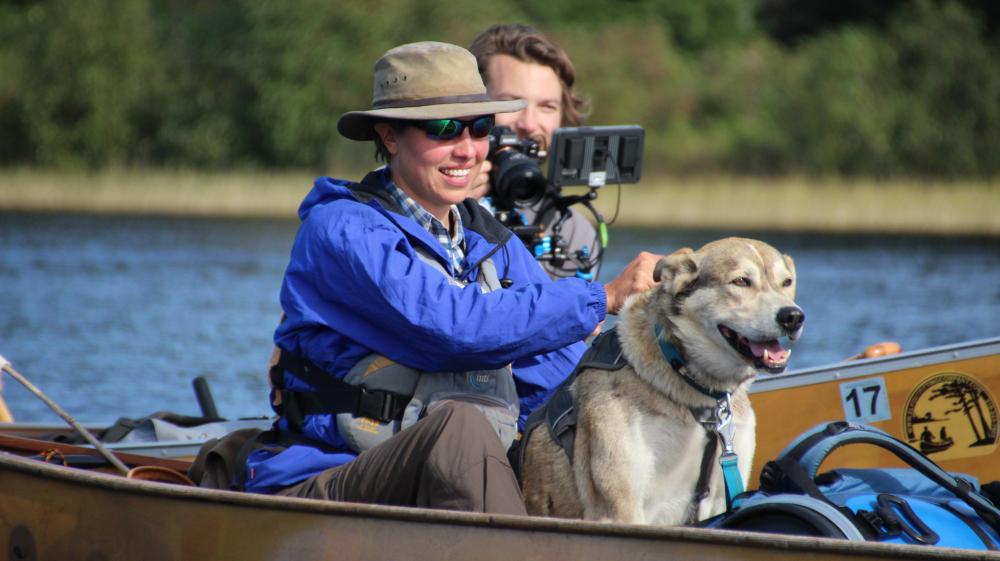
5 416
5 366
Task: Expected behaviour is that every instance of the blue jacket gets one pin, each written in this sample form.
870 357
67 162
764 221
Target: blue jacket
355 285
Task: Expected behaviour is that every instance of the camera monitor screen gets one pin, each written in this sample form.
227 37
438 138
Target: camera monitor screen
595 155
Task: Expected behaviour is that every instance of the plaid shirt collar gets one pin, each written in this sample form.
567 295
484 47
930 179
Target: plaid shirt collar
453 246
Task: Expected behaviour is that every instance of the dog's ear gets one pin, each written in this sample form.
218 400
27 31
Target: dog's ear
677 270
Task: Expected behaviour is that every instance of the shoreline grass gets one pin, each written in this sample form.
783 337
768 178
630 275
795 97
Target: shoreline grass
714 202
810 204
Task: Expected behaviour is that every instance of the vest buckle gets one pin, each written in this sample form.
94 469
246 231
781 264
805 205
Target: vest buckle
377 405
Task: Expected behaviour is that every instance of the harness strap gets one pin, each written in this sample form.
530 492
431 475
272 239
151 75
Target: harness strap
558 412
718 424
734 482
332 395
701 489
560 417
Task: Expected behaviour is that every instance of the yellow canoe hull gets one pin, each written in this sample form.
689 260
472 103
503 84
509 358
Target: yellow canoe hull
942 401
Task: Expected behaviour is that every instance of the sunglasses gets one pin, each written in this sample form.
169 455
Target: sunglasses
447 129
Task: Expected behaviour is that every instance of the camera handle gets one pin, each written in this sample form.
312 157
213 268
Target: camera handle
553 249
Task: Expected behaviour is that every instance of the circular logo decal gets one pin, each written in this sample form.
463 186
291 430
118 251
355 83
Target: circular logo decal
481 381
951 415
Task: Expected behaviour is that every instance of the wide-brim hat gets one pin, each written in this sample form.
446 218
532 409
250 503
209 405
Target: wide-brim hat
425 80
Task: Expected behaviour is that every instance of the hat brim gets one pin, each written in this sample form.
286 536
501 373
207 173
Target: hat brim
357 125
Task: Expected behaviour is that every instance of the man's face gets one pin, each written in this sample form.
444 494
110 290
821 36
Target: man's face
510 78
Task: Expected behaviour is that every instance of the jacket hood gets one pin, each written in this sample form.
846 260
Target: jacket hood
327 189
372 187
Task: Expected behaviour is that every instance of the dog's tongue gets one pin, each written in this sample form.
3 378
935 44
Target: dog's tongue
775 352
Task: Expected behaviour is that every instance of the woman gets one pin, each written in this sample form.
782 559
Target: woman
418 332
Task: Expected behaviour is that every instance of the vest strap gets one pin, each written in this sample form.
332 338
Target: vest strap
333 395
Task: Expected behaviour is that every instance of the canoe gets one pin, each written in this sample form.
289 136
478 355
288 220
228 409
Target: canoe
52 511
942 401
49 511
156 438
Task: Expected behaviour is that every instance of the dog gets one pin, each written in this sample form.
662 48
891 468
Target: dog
639 451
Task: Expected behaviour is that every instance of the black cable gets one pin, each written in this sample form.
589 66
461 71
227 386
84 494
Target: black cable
505 280
618 199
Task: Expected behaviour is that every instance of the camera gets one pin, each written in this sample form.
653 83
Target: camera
517 180
535 208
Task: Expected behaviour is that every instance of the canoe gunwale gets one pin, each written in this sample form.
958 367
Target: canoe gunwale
523 525
880 365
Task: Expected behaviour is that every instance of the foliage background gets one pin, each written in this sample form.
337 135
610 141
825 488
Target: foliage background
849 88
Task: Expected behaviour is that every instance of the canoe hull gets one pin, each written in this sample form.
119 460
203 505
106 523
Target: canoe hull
52 512
941 400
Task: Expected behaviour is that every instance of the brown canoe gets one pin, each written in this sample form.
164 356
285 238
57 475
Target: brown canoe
50 512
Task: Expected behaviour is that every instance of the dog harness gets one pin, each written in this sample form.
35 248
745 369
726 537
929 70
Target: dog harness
605 353
559 411
718 424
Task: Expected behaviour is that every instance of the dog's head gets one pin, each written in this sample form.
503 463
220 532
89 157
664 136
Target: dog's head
728 304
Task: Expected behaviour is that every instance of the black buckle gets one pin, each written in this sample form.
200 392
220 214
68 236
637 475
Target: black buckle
878 526
909 523
375 404
772 477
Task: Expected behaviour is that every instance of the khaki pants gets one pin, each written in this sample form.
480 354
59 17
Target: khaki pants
451 459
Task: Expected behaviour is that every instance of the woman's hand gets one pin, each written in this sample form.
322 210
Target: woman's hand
637 277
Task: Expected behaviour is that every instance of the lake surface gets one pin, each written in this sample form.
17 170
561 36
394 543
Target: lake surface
114 316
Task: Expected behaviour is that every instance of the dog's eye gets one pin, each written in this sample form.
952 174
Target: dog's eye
787 283
743 281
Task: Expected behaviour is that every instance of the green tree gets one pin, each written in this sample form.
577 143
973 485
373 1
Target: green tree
837 113
90 68
948 92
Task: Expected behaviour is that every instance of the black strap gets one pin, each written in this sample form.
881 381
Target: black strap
559 412
795 479
605 353
701 489
560 416
862 434
333 395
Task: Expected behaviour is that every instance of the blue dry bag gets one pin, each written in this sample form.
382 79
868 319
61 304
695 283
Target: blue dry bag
923 505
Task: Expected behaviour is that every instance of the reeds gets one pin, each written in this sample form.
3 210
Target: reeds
746 203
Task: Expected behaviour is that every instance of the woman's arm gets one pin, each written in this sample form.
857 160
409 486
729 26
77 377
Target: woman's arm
359 275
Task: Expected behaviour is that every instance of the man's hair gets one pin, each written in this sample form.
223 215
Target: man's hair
526 44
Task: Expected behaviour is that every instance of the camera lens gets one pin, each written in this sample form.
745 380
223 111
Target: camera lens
517 180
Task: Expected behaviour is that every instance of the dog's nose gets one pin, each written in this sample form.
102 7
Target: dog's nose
791 318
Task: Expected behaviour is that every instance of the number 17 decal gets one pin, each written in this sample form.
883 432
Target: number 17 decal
865 400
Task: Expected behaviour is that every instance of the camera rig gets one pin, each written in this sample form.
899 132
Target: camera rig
535 208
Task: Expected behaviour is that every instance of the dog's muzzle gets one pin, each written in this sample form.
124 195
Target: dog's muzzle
767 355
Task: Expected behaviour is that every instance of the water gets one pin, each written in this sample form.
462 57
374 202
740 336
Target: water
113 316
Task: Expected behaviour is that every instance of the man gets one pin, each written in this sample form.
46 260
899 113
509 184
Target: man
518 62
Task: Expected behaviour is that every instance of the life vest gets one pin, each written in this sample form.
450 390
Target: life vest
379 397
